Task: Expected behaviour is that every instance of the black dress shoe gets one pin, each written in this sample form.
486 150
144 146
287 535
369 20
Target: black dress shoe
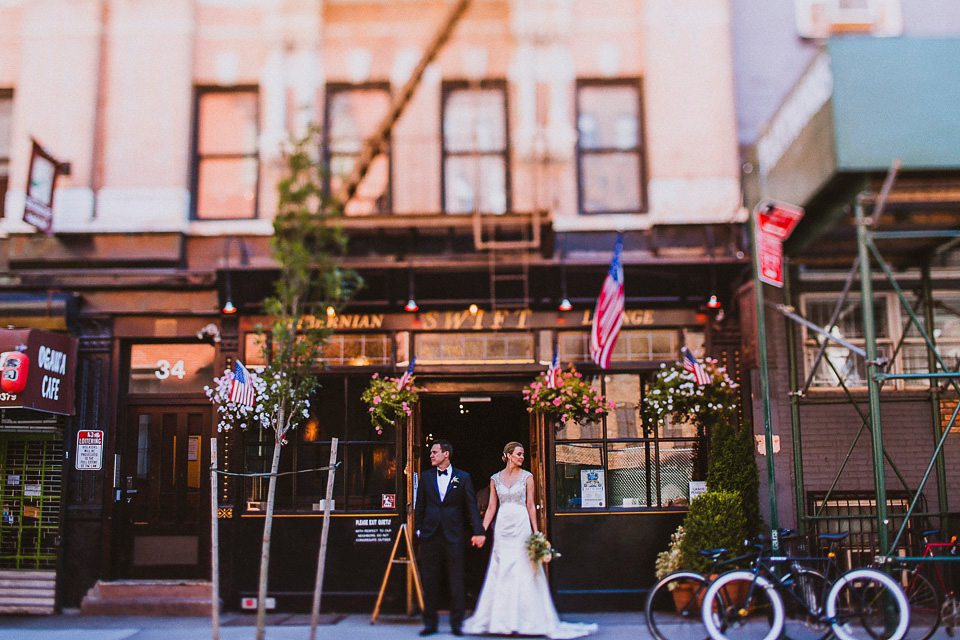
456 631
428 631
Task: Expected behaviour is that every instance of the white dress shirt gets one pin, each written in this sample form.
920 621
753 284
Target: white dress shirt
443 481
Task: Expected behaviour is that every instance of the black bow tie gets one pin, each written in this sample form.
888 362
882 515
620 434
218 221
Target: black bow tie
442 473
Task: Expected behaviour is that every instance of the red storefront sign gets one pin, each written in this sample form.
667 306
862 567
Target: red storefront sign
41 370
775 221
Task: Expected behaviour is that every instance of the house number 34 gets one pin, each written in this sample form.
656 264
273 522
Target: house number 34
165 369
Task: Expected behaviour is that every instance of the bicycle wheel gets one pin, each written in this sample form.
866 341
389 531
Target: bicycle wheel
673 606
950 613
804 605
923 601
866 604
740 605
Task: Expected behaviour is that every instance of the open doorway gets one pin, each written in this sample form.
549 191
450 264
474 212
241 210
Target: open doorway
478 426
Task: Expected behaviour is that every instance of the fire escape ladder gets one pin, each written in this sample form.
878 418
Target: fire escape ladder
375 144
509 279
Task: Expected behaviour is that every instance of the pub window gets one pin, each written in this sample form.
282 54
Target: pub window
475 153
632 345
610 152
367 478
226 157
6 126
356 349
352 115
502 347
619 462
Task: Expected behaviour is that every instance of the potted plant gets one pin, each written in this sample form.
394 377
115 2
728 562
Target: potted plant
716 520
732 467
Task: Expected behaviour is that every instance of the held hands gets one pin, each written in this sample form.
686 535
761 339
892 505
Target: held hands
477 541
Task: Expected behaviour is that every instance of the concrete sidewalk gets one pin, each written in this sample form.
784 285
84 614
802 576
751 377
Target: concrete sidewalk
71 626
234 626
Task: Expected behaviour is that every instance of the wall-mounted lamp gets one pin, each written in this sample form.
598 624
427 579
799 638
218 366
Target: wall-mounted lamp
411 305
211 333
713 303
565 304
228 306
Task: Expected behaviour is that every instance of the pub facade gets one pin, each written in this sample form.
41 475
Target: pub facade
487 155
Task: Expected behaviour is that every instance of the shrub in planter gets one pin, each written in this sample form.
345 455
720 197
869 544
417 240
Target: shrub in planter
716 519
668 561
732 467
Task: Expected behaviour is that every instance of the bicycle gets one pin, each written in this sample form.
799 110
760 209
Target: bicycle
931 601
672 606
856 606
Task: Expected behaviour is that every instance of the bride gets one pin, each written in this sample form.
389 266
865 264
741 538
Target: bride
515 598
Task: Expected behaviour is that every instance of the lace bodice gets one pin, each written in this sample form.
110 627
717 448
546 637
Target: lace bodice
516 494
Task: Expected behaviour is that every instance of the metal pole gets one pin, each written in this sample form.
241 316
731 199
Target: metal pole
942 499
764 385
800 508
214 544
873 385
322 555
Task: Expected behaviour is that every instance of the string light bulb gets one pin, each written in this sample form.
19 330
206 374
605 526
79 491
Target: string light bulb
473 309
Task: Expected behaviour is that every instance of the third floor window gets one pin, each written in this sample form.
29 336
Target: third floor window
226 157
475 151
610 162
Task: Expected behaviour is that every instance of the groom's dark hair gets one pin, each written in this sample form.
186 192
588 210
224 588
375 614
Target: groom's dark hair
444 446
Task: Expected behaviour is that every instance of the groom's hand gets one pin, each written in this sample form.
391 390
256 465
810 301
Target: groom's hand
478 541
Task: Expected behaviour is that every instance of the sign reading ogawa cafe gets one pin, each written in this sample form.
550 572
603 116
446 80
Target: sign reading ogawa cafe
37 370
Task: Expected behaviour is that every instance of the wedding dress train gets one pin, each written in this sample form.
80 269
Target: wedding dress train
515 597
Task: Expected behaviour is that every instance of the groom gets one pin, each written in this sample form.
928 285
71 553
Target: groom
445 498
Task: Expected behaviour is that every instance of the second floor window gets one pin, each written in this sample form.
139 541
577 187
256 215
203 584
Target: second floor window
353 115
475 153
610 147
226 158
6 118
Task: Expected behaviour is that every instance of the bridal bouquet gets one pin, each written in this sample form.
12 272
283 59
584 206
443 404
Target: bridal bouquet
539 548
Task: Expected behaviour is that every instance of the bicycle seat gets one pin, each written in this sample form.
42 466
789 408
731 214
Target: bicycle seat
713 554
833 536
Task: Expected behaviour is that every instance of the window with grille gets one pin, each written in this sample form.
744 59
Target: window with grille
352 115
618 462
610 152
631 346
475 151
31 469
488 347
226 156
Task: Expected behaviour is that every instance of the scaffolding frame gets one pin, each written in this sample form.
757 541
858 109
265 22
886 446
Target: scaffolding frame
868 254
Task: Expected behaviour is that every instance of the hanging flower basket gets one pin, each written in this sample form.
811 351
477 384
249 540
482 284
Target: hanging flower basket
674 392
388 401
572 398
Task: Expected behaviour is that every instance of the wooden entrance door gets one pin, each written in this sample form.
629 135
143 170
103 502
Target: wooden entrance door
164 488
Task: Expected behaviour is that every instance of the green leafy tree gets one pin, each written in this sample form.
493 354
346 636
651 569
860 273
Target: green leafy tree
307 244
732 468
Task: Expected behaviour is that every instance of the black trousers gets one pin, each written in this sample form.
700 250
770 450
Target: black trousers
438 556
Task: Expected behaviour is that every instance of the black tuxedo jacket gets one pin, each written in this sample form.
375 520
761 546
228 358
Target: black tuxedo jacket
449 516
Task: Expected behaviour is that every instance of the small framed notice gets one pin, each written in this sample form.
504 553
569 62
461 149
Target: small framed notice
592 488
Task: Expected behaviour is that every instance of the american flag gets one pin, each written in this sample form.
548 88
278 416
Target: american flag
608 316
242 391
553 371
694 366
405 378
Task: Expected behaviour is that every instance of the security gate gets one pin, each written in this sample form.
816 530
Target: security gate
30 480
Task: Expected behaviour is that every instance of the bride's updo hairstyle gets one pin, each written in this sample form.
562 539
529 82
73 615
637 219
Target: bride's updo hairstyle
507 450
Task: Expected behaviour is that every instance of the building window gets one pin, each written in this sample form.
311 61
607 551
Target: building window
6 125
946 337
352 116
488 347
631 346
610 163
226 158
838 363
367 479
475 150
618 462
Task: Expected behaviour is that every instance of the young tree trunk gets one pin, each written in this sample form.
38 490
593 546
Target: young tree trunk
267 529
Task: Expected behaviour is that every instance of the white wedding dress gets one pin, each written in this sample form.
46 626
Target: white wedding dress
515 597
